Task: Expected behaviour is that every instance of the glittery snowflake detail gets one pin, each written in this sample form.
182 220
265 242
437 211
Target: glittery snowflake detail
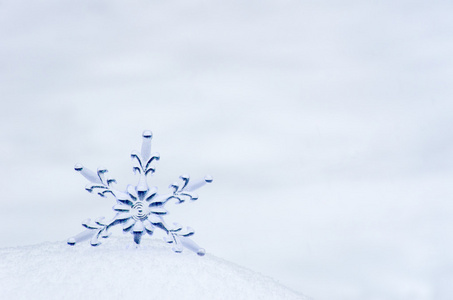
140 209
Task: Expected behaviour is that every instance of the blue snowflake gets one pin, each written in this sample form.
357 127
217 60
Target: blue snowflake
140 209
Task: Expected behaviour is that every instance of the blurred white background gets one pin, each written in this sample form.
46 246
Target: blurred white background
327 126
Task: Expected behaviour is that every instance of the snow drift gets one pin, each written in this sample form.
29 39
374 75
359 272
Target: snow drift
119 270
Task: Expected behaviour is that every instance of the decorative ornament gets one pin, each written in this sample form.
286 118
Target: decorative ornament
140 209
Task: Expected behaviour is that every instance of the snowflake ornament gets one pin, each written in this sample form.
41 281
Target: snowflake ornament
140 209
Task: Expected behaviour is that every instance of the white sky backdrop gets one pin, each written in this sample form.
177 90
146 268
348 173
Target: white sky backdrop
327 127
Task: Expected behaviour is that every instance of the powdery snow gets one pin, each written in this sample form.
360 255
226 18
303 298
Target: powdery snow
119 270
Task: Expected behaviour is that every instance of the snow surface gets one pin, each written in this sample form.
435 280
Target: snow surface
119 270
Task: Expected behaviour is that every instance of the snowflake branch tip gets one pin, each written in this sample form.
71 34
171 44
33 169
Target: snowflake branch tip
208 178
147 134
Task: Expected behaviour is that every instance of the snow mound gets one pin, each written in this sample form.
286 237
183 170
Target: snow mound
119 270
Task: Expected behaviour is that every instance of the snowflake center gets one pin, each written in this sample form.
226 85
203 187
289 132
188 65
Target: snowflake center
139 211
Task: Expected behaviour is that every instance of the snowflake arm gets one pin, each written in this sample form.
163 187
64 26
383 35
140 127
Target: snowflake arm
183 191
